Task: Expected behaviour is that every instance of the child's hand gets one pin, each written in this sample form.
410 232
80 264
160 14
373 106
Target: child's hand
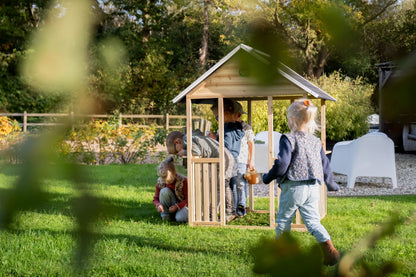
212 135
173 209
160 209
333 187
181 153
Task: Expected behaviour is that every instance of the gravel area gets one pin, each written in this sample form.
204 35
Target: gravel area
364 186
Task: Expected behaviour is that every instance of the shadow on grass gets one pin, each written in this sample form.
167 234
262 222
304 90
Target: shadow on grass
128 175
114 209
151 241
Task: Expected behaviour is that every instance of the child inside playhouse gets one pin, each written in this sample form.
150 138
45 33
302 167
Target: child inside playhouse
206 147
300 169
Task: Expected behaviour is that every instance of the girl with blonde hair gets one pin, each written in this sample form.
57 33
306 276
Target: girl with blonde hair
300 169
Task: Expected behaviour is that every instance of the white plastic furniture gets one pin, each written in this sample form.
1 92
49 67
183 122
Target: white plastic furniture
370 155
261 150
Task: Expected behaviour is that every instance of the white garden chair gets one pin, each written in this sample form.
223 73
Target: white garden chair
371 155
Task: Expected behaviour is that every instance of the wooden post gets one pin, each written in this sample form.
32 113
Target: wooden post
197 194
271 159
250 187
214 186
249 111
323 124
24 121
205 192
167 122
120 120
222 164
190 172
72 120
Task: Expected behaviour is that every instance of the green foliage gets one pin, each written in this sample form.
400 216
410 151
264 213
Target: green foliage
283 257
160 42
260 116
315 29
9 132
17 97
346 118
102 142
18 19
11 137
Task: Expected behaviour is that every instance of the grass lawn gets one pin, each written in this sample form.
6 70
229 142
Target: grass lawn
133 241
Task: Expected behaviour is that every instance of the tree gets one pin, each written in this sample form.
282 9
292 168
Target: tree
393 35
203 54
319 29
18 21
388 36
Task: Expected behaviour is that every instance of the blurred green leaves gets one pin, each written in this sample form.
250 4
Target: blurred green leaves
285 257
59 57
58 60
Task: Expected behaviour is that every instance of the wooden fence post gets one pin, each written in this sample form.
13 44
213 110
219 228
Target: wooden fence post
24 121
167 122
72 120
120 120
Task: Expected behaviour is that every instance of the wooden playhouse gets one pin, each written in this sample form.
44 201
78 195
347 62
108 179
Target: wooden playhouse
230 78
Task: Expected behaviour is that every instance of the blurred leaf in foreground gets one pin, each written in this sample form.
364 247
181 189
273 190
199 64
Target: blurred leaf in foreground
284 257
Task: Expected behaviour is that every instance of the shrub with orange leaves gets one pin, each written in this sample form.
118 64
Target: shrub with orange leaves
10 132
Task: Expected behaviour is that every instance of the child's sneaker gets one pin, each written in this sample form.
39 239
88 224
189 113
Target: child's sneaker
241 211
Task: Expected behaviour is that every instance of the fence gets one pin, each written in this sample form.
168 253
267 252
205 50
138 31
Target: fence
198 122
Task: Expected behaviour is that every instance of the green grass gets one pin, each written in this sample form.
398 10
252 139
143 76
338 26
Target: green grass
132 240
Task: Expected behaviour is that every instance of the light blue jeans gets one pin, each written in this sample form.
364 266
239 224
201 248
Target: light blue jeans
168 198
239 187
305 197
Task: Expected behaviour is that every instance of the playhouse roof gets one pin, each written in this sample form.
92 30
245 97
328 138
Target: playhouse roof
227 79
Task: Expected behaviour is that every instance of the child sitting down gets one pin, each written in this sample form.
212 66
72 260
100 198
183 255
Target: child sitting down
171 195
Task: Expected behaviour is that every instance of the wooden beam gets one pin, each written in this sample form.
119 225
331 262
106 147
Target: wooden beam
206 187
249 112
250 187
323 124
198 192
205 160
214 191
222 164
191 196
271 160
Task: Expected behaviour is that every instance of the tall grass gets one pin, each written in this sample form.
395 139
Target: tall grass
131 240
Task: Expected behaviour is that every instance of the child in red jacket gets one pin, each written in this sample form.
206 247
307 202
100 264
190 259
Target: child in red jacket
171 195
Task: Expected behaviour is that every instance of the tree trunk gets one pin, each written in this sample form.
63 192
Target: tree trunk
146 26
203 51
321 62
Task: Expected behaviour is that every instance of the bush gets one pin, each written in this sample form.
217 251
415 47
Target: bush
260 117
102 142
345 119
10 137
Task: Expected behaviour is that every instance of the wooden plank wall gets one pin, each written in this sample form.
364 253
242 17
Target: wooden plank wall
205 198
